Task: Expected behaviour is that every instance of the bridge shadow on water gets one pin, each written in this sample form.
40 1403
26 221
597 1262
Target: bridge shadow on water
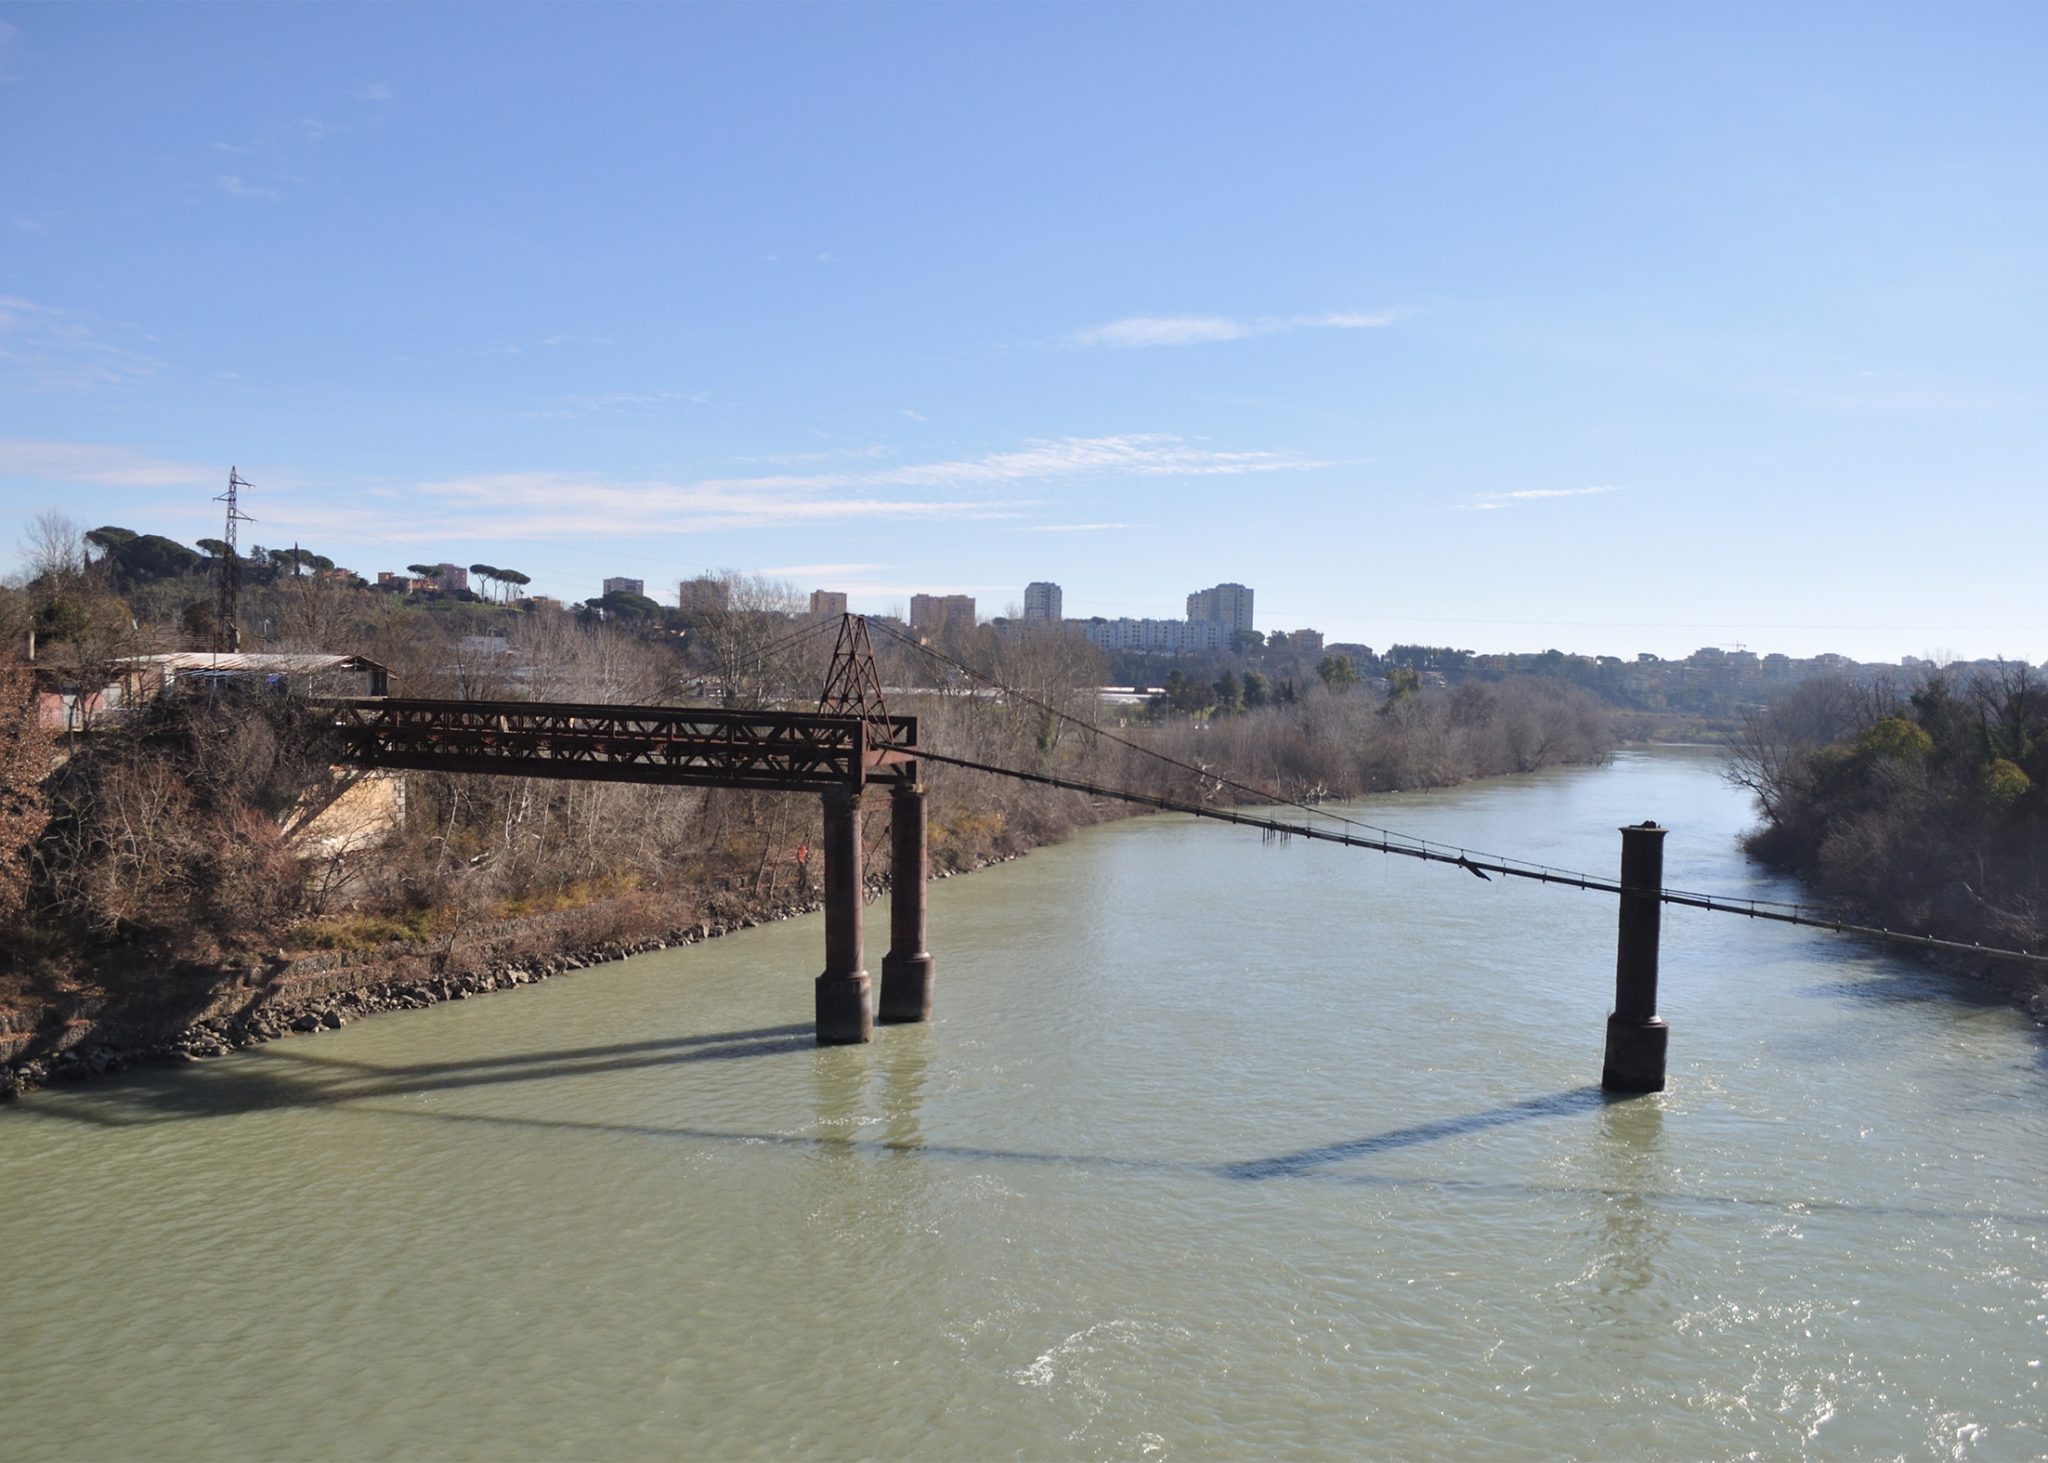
289 1076
1308 1160
283 1076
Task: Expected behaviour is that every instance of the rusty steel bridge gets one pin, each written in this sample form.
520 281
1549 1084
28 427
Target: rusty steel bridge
838 752
852 743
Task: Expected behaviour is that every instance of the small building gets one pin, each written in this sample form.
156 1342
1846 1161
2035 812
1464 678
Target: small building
828 602
622 585
135 681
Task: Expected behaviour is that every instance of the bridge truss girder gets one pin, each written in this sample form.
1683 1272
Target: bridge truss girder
671 746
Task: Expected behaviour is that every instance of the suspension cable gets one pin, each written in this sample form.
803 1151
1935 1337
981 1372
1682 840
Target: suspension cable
1450 853
1484 865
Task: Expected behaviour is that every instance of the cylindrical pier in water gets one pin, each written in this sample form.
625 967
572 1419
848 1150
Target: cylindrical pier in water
845 1014
1637 1037
907 968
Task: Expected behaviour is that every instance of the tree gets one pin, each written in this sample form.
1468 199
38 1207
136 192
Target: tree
109 537
25 746
623 605
423 571
54 547
1336 673
1258 691
213 548
731 635
146 558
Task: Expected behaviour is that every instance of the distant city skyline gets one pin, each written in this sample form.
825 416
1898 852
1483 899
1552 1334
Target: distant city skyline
1607 329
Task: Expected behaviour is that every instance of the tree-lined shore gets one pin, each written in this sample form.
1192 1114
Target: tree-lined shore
1919 805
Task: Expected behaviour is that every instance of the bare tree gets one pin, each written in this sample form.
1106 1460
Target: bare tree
54 547
25 748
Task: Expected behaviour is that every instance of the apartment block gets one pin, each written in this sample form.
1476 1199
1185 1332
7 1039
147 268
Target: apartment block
626 586
1157 637
703 595
827 602
1222 604
935 612
1042 602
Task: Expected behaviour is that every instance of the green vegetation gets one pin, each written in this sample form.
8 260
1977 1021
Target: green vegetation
1918 808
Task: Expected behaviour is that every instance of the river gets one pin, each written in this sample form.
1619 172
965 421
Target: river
1217 1148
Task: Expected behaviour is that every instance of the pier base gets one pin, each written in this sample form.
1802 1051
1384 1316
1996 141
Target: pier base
906 989
846 1016
1635 1055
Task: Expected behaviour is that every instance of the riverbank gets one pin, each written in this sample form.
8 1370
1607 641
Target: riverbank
139 1003
195 1014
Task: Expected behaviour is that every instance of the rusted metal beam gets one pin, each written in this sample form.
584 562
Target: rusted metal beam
673 746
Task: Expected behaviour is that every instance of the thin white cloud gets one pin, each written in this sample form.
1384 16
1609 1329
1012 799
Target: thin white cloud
1144 330
544 504
915 416
569 505
376 91
868 452
236 187
50 350
26 459
822 571
234 149
1140 331
1137 454
616 403
1073 527
1492 502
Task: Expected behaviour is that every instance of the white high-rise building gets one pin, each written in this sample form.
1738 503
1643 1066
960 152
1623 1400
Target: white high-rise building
1042 602
1224 604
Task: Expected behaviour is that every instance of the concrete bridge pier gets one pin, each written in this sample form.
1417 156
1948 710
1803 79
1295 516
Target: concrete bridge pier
1637 1037
846 1015
907 968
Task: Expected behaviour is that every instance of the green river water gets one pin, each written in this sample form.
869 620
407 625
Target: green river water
1216 1149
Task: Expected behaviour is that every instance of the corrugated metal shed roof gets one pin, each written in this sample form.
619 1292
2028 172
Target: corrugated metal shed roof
250 664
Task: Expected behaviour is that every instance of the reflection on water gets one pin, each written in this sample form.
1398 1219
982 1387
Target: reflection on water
1215 1149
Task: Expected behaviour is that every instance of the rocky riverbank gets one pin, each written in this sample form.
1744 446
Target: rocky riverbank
202 1014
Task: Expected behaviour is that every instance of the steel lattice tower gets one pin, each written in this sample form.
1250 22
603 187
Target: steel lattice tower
227 631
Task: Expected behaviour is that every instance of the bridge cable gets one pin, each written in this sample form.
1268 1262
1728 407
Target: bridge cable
1488 864
1543 872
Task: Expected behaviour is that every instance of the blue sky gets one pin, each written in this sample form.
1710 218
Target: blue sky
1604 328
